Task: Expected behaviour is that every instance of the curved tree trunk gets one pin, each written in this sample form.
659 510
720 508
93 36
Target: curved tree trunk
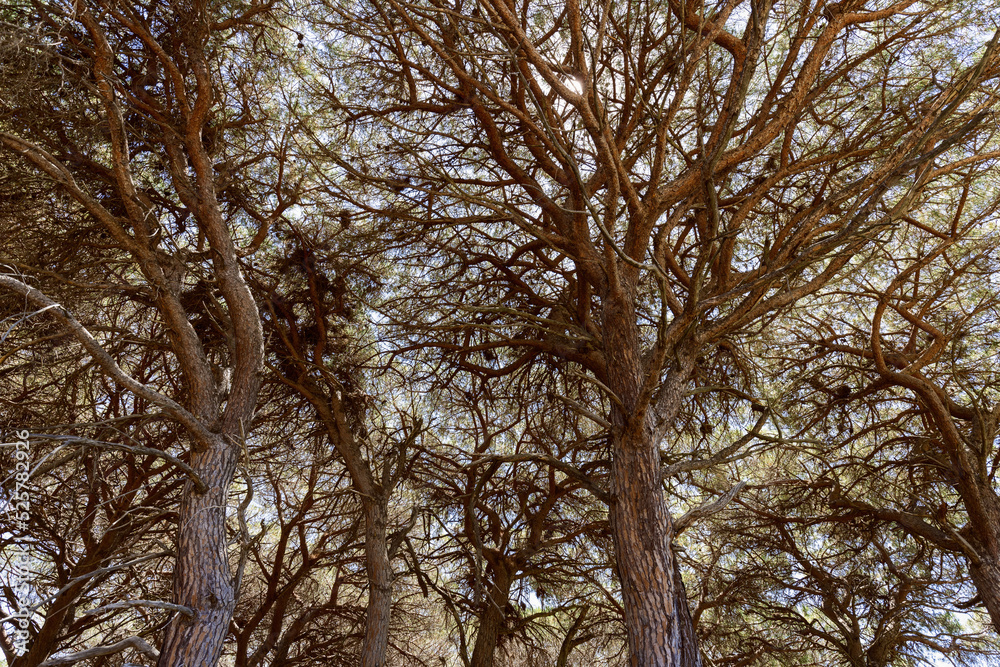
572 640
981 534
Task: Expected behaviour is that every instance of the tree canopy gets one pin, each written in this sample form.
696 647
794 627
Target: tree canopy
478 333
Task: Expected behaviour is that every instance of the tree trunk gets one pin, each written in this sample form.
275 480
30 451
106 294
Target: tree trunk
660 632
379 570
202 579
986 577
657 619
982 505
981 533
571 641
491 623
375 502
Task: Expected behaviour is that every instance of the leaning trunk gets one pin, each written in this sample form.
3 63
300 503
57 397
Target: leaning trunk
986 577
983 535
379 570
202 578
657 620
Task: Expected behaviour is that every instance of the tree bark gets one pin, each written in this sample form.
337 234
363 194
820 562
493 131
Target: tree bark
202 579
982 534
657 619
375 501
986 577
570 641
660 631
491 623
380 577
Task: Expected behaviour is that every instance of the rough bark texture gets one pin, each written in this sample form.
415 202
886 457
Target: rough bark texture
659 626
202 579
491 623
214 422
380 576
656 613
982 540
986 577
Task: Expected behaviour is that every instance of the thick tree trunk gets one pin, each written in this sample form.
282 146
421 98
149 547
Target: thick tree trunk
379 569
983 534
202 578
657 620
491 623
986 577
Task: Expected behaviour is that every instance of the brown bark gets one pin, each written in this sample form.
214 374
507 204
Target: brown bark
492 620
979 539
571 640
659 625
986 577
981 536
374 497
656 612
380 577
202 579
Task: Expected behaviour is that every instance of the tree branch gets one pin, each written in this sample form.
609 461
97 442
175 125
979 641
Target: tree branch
107 363
136 643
